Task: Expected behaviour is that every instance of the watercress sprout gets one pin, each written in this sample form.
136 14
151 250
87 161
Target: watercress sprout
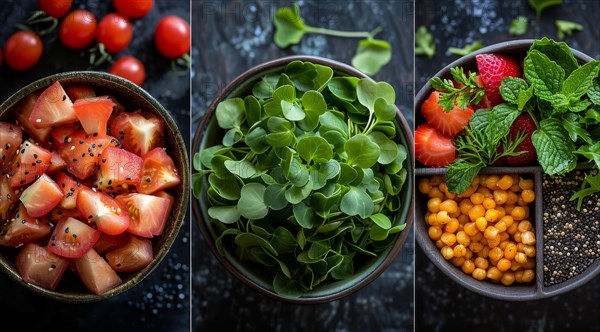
311 186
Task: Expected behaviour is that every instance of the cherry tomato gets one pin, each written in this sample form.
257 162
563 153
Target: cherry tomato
129 68
172 36
133 8
55 8
23 50
115 32
78 29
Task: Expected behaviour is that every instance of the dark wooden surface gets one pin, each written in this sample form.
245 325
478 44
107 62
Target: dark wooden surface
441 304
161 301
229 38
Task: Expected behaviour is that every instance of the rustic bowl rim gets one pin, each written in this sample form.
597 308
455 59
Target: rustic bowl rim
383 262
170 125
454 273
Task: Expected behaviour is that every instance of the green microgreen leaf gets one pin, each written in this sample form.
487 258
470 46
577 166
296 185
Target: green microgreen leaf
372 55
540 5
467 49
566 28
424 44
251 204
518 26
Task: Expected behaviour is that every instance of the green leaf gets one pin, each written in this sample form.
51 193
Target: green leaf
371 55
275 197
283 241
253 109
295 195
318 249
369 91
343 87
518 26
554 148
298 175
304 215
460 175
344 270
247 240
524 97
285 286
384 111
357 202
500 120
378 233
303 74
581 79
467 49
289 28
389 149
424 44
558 52
256 141
292 111
347 174
251 204
324 75
314 106
362 151
226 188
591 152
594 92
264 88
511 88
333 121
230 113
398 164
540 5
241 168
225 214
232 136
314 148
570 122
545 75
381 220
566 28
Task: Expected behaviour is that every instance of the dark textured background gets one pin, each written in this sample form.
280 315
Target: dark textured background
161 301
229 38
441 304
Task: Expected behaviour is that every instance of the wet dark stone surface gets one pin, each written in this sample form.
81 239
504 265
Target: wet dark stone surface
441 304
161 301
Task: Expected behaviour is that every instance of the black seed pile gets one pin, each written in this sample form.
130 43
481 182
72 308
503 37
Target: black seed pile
571 237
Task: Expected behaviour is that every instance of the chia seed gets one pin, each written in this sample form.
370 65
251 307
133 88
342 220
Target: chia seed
571 237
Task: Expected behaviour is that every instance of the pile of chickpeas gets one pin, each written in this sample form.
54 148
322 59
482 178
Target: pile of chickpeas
486 230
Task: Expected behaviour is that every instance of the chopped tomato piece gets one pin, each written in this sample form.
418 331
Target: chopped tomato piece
23 228
30 162
76 91
52 108
159 172
70 189
72 238
120 170
93 113
147 213
42 196
62 134
58 214
39 266
135 255
139 132
108 214
95 273
108 243
10 140
8 198
56 163
40 135
82 152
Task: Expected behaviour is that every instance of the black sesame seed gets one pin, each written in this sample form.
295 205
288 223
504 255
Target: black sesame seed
67 230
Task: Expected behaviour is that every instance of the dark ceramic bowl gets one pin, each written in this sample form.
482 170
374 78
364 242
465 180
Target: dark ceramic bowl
70 289
515 292
208 134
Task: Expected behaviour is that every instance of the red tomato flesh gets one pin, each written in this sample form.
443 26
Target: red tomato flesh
93 114
82 152
10 139
147 213
40 135
120 170
52 108
139 132
39 266
95 273
30 162
72 238
159 172
41 196
135 255
108 214
23 228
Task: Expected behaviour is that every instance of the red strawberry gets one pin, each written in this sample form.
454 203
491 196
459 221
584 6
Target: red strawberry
522 122
492 69
447 123
432 148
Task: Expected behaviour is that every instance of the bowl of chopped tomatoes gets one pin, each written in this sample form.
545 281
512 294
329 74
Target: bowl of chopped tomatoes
488 142
94 185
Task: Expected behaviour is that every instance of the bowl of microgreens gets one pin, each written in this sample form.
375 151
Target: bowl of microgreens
506 149
303 179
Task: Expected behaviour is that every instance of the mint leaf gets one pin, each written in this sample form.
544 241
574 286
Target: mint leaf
553 147
460 175
579 105
570 122
511 87
594 92
518 26
592 152
524 97
566 28
467 49
558 52
500 120
545 75
581 79
540 5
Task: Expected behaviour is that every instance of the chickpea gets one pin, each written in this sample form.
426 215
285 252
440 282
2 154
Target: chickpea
476 247
444 188
477 237
494 274
505 182
477 198
470 228
500 196
511 198
448 238
447 252
469 254
494 242
508 278
485 191
439 244
490 232
460 250
514 266
491 181
519 276
525 225
510 251
476 211
467 193
503 265
481 223
468 266
529 251
526 184
479 274
512 229
463 219
463 238
496 254
443 217
529 265
521 258
501 211
452 226
508 220
435 180
491 215
465 205
518 213
424 186
433 204
481 263
435 232
528 237
501 226
528 195
457 261
528 276
489 203
435 192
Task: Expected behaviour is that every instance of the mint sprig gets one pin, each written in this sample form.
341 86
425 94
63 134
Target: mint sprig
466 94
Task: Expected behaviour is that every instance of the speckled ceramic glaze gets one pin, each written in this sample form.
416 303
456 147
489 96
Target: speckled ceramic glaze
515 292
132 97
209 134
